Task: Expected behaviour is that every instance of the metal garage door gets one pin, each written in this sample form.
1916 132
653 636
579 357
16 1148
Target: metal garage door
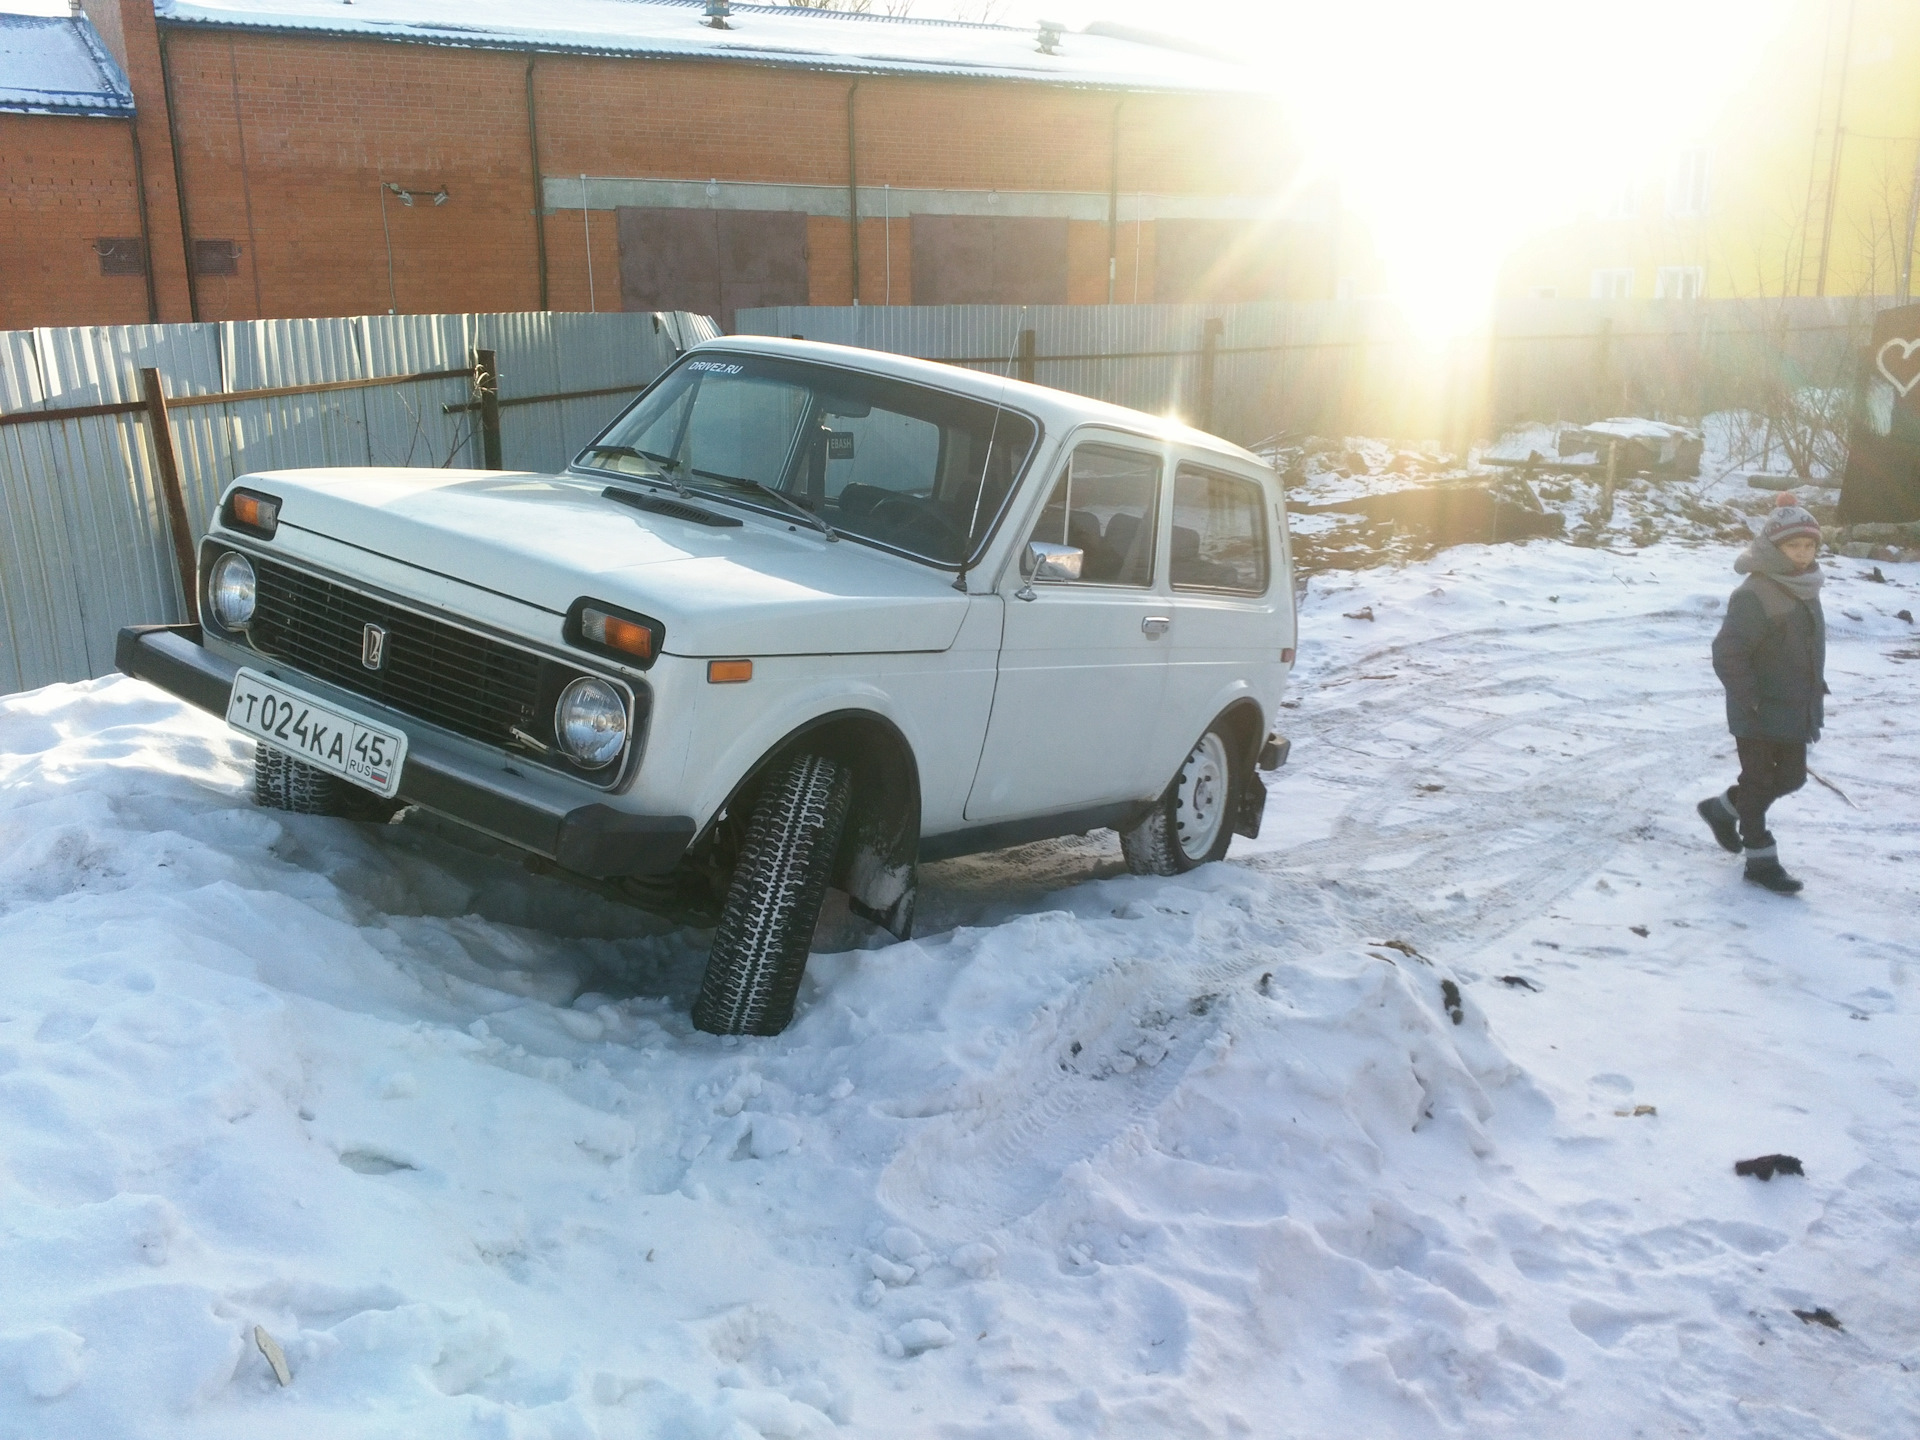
989 260
712 262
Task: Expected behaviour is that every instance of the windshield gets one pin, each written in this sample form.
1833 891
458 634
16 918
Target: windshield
913 469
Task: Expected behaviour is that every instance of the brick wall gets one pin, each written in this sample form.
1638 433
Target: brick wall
69 182
286 142
128 30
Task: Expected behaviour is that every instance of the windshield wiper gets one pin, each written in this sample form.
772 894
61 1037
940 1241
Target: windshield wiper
668 466
787 500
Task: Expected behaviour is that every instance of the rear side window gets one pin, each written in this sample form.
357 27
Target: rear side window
1219 539
1105 505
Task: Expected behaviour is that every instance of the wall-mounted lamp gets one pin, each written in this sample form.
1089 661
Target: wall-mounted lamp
407 197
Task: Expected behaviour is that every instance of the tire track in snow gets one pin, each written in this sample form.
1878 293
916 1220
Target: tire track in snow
1518 825
1509 849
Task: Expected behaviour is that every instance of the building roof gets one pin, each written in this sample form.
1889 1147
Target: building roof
56 65
758 35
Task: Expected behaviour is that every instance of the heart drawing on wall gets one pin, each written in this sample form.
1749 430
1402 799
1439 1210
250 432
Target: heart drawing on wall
1907 364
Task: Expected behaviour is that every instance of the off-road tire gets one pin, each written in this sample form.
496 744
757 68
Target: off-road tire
1154 846
766 926
281 782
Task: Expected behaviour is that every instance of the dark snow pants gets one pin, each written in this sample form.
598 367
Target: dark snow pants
1768 770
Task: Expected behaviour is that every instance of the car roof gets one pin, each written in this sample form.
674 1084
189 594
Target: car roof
1059 408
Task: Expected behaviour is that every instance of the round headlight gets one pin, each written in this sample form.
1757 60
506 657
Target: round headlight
230 591
590 722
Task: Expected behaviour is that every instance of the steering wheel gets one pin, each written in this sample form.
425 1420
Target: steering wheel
915 525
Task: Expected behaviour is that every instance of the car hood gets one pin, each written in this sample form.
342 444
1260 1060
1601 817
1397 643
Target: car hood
759 588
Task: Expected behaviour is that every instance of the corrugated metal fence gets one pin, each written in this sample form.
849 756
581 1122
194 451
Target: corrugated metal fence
84 543
1360 367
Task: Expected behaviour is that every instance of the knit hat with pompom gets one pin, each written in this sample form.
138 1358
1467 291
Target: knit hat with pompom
1788 521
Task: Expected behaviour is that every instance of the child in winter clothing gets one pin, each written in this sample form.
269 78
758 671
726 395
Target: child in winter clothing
1771 656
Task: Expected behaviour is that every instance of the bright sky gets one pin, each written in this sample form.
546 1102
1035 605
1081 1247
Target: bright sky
1455 127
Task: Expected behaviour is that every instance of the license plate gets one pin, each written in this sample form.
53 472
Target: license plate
323 735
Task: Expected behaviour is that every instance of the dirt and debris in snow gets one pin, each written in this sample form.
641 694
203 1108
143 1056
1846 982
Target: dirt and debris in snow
1361 501
1323 1141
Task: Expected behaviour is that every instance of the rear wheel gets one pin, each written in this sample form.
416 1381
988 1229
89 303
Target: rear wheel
766 925
1192 824
281 782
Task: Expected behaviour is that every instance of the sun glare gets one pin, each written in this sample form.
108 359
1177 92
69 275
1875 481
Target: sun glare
1456 130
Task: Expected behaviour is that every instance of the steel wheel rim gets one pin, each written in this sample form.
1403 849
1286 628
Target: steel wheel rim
1200 804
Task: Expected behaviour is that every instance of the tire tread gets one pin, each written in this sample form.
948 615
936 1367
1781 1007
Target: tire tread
760 946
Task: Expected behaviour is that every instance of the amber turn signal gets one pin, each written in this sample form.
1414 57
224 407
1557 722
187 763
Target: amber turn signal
616 634
259 514
729 672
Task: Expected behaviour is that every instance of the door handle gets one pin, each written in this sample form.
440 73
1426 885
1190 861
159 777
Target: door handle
1154 626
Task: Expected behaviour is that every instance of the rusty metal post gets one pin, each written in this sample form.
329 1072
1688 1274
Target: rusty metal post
1209 353
1023 357
167 463
486 379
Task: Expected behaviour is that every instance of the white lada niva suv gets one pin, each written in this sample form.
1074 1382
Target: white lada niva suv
803 616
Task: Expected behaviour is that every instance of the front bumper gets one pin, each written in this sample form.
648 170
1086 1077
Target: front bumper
530 811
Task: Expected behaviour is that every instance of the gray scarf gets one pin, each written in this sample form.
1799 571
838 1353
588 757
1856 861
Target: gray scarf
1763 557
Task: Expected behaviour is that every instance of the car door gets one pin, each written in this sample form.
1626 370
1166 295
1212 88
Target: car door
1229 605
1082 663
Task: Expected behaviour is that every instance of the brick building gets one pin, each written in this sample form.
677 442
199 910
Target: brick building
236 159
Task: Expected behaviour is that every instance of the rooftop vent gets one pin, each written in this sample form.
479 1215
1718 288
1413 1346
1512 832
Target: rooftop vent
1050 31
717 13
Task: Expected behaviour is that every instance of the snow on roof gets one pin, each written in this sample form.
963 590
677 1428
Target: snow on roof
758 35
56 65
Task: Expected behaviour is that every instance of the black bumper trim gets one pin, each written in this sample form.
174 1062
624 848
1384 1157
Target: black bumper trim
1274 753
593 839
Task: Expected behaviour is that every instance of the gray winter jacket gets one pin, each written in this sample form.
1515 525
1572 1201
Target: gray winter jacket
1771 654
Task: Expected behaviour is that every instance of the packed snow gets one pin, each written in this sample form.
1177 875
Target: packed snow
1417 1117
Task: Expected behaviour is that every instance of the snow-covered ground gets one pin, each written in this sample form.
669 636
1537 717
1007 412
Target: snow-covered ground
1095 1156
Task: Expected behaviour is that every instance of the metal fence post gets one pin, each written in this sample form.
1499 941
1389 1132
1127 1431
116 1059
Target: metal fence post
167 462
1209 353
486 378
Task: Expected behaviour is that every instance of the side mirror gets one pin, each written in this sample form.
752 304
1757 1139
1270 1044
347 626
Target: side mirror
1041 561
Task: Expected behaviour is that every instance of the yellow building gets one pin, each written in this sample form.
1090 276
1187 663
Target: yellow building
1806 183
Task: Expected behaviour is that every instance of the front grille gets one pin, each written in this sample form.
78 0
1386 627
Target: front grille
439 673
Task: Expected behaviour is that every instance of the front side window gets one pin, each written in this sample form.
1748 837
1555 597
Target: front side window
1104 504
1219 539
901 465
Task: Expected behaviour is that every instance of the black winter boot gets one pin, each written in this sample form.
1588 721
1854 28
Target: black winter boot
1722 820
1763 868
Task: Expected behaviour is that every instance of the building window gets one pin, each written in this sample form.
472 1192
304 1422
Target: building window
216 257
1680 282
1623 204
121 255
1613 284
1687 193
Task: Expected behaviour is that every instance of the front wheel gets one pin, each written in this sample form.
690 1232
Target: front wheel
1192 824
281 782
766 925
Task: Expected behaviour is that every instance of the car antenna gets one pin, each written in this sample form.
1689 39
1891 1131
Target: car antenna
999 406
